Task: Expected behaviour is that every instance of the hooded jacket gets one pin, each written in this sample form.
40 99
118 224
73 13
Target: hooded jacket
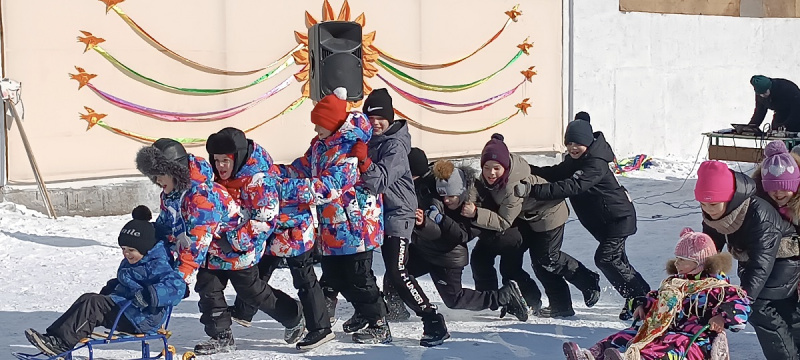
757 237
784 100
390 175
543 215
349 216
444 244
153 276
601 204
201 214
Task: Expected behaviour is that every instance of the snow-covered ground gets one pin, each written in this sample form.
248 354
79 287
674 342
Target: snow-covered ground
46 264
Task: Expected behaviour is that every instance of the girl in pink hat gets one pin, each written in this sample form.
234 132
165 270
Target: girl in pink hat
779 177
695 294
764 243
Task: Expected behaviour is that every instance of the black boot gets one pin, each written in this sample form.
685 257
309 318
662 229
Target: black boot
355 323
239 318
554 311
510 298
48 344
315 338
293 334
395 307
377 333
591 293
434 331
330 305
220 343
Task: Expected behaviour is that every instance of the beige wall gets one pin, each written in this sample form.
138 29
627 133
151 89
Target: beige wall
41 49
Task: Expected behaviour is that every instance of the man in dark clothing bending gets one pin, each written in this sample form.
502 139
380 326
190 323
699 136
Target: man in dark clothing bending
779 95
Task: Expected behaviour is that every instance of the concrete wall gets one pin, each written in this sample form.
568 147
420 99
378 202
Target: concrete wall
653 82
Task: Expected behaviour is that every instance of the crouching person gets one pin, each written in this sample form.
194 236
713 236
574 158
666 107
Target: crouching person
144 278
212 238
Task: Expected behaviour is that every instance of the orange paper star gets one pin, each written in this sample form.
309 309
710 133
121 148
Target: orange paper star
90 40
92 117
525 46
523 106
110 4
514 12
529 73
82 77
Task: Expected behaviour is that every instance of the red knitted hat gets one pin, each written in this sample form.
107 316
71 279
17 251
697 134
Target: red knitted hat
331 111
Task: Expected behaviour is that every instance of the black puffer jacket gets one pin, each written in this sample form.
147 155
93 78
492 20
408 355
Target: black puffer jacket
600 202
445 244
784 100
754 239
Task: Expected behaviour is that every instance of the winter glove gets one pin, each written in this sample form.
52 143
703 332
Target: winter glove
359 151
140 298
523 189
110 286
434 214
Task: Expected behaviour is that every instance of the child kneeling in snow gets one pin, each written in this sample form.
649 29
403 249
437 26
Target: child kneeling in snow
697 293
144 277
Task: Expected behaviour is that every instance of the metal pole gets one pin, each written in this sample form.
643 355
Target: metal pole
42 188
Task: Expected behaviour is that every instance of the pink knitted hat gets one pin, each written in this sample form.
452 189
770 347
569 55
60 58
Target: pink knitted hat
715 182
779 171
695 246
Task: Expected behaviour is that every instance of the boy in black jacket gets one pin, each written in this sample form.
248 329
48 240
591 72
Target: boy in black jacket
601 204
439 246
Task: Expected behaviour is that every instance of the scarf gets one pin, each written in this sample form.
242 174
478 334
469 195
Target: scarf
671 294
730 223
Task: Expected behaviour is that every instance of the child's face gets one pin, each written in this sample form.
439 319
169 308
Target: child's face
452 202
167 183
131 254
379 125
575 150
224 166
322 132
685 267
715 210
781 197
492 170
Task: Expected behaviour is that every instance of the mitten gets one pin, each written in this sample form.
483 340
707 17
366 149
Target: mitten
434 214
523 189
140 299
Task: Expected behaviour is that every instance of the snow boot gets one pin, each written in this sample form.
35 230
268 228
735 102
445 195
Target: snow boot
330 305
238 318
355 323
556 311
377 333
434 331
627 310
48 344
574 352
293 334
315 338
510 298
612 354
395 307
220 343
592 295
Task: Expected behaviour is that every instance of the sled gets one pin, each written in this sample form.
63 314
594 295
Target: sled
160 336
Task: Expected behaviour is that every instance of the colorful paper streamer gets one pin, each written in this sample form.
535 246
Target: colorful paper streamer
429 104
418 66
194 141
152 82
164 115
416 124
442 88
164 49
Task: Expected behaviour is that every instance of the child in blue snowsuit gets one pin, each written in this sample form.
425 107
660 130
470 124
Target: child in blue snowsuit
144 277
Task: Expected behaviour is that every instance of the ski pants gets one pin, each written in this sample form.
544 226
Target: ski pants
86 313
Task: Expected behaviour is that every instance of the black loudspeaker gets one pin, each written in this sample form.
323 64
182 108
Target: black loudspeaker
334 49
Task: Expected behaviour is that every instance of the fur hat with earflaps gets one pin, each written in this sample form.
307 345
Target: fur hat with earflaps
229 141
165 157
700 248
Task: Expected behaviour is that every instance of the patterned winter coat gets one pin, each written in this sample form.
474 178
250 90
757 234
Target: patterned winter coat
349 216
294 229
198 216
697 311
161 285
255 189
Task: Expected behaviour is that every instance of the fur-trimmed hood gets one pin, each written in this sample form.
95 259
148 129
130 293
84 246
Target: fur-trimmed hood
152 162
717 264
